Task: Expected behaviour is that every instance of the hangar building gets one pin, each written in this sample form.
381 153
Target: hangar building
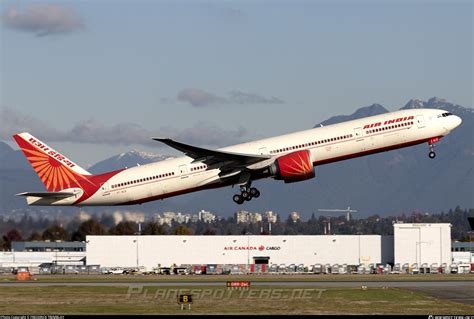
152 251
422 243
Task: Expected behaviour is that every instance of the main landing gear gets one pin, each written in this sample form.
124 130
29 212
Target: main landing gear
246 194
431 144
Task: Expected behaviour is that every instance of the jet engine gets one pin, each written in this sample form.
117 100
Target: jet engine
293 167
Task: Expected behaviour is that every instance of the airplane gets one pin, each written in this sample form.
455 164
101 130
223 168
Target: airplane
289 158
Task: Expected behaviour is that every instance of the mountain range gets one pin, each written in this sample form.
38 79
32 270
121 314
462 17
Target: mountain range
399 181
128 159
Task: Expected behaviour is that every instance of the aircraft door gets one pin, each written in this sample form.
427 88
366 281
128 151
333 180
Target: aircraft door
359 138
420 121
105 188
183 170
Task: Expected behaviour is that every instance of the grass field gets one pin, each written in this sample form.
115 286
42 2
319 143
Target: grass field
217 300
259 278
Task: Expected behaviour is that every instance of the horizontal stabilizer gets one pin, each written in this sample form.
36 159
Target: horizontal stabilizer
48 194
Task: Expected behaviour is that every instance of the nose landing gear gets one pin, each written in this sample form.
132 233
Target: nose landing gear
431 143
246 194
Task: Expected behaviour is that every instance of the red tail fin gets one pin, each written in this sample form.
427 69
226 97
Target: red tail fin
55 170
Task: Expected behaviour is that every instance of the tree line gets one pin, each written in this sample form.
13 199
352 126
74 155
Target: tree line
75 230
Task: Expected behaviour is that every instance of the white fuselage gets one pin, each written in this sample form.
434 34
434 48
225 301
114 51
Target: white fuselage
327 144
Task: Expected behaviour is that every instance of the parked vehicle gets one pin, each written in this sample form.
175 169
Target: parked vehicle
372 269
453 268
396 269
343 269
434 268
180 271
71 269
165 271
444 268
405 268
282 268
273 268
211 269
379 269
235 269
464 268
327 269
116 271
352 269
291 268
317 269
300 268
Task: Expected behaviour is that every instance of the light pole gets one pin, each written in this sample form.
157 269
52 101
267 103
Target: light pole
137 234
136 241
248 253
56 251
85 264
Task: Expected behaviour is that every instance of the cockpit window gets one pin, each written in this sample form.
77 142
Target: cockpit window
445 114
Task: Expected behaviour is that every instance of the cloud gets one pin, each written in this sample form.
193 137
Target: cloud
120 216
84 216
12 122
94 132
239 97
43 19
201 98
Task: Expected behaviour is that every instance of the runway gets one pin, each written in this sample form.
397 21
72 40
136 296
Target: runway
329 284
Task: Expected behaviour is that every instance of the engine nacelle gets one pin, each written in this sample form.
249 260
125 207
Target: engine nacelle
293 167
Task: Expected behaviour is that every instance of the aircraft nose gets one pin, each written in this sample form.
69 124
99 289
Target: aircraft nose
451 122
456 121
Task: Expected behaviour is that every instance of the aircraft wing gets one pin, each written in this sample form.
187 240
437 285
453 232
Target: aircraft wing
210 157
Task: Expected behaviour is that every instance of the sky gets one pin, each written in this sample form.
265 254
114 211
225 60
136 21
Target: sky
97 78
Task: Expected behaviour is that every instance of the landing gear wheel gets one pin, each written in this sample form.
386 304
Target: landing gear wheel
432 154
246 195
238 199
254 192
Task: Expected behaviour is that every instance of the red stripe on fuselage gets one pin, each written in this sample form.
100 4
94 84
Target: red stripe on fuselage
369 152
180 192
322 162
